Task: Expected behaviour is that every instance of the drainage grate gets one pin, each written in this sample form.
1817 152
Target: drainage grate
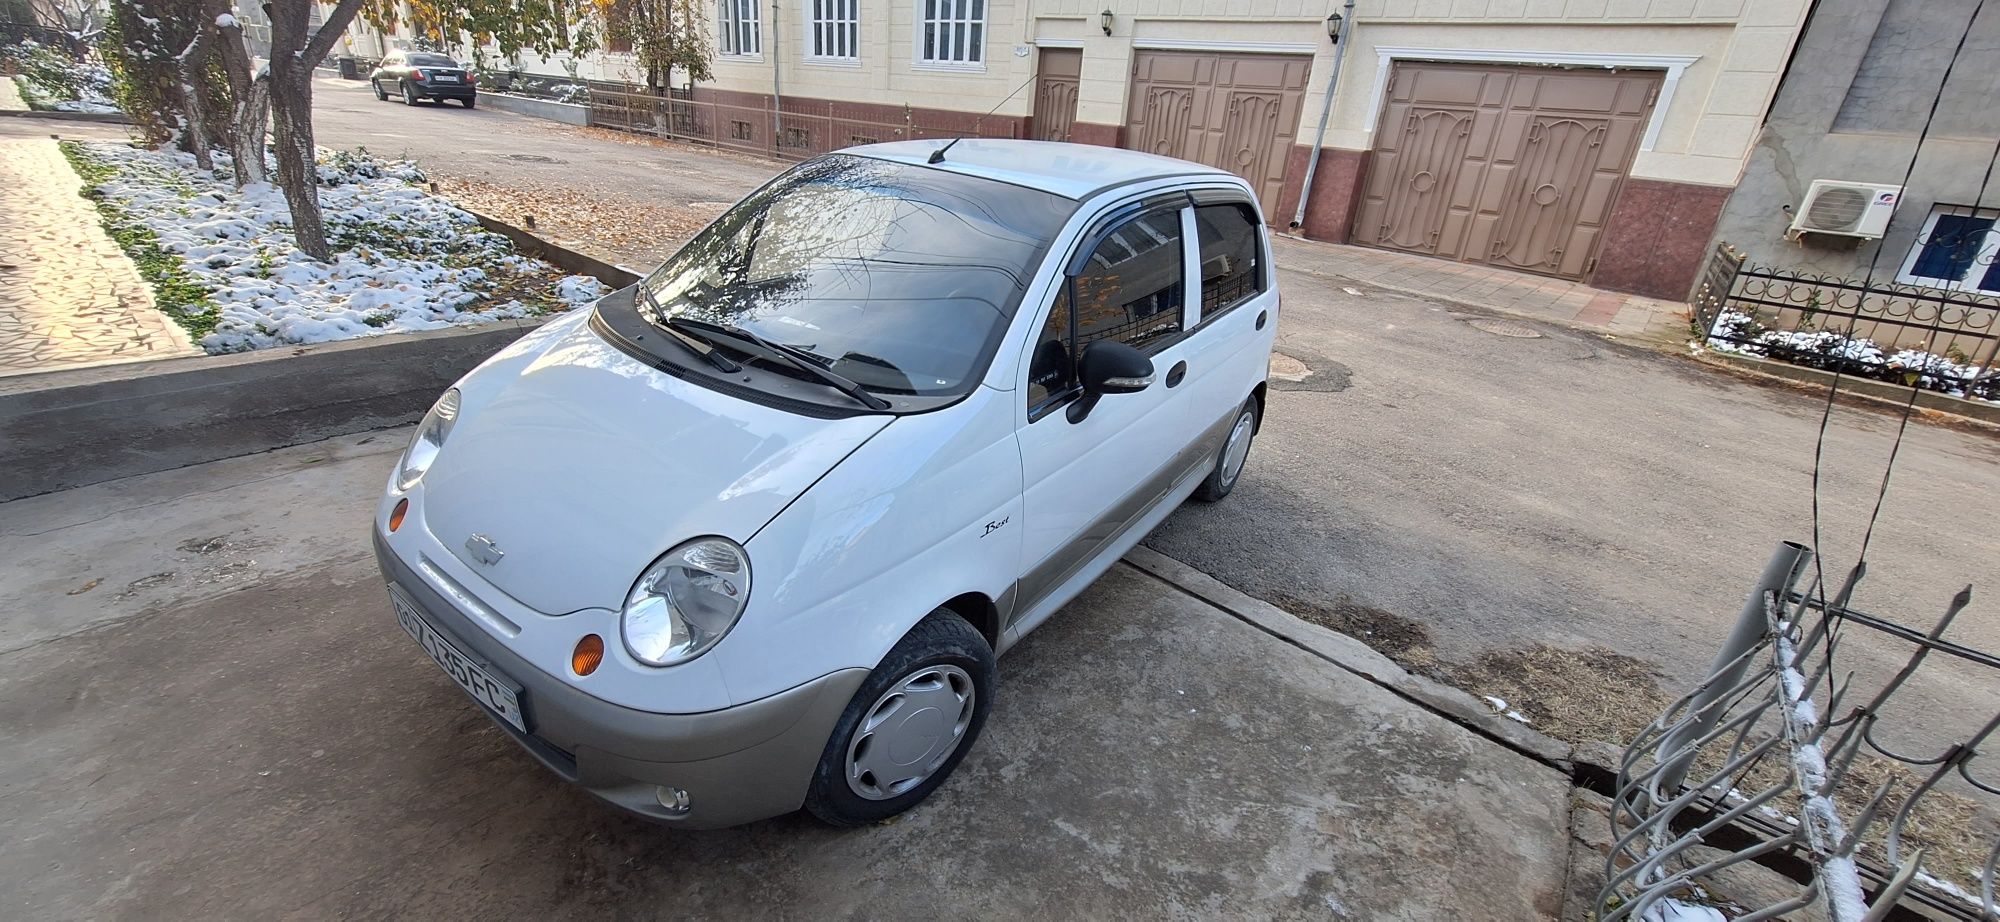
534 158
1504 328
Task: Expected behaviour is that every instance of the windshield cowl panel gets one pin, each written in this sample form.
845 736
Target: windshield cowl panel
899 278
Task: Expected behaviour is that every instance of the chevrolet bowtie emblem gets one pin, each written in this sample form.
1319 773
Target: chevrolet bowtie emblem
484 550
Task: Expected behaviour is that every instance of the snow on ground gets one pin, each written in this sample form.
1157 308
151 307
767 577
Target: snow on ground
404 260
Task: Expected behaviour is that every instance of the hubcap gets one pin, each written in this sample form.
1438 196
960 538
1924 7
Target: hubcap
1237 449
911 730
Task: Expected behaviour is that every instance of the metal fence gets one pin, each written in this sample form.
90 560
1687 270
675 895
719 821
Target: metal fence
1938 339
1770 761
756 127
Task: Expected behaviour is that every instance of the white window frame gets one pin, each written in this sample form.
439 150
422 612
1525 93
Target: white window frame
732 28
1983 260
825 19
954 19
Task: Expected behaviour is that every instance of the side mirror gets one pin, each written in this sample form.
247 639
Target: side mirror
1109 367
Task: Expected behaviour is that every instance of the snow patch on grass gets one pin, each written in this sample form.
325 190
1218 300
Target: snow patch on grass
403 260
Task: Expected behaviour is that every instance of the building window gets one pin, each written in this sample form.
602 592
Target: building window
1956 250
954 32
737 28
836 29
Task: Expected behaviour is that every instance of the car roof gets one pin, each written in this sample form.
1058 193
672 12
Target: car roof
1074 171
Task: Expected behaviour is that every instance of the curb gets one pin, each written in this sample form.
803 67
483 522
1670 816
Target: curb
546 109
1352 655
1880 392
111 118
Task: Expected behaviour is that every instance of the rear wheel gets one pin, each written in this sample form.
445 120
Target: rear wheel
379 92
410 96
468 101
908 725
1235 451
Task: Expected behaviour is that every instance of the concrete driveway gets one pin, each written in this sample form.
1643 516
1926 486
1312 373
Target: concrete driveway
210 712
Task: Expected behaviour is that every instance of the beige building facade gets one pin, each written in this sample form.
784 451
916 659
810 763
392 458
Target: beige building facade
1584 139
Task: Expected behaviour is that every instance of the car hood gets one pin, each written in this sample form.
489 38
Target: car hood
582 465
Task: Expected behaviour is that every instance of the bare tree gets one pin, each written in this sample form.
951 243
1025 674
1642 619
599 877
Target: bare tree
82 19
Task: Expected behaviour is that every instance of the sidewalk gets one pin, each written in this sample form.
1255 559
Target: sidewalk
69 297
1661 324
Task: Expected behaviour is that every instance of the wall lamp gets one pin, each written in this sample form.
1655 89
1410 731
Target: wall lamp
1104 19
1333 28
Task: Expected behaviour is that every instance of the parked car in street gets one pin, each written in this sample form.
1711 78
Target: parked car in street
747 536
416 75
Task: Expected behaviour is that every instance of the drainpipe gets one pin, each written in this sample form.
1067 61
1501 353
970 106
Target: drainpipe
1325 110
777 97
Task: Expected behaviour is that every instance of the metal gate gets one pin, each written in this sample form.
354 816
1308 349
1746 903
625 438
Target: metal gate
1511 165
1237 112
1055 93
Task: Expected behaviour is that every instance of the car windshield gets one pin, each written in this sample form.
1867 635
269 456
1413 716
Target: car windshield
431 60
901 278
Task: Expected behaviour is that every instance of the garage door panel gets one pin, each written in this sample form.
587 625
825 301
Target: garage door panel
1535 178
1237 112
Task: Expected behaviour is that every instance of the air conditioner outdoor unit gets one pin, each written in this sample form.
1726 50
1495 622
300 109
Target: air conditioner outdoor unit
1847 209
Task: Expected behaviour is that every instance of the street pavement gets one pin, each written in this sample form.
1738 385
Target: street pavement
211 713
1470 490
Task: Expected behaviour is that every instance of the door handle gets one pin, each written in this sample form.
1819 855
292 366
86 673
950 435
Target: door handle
1175 374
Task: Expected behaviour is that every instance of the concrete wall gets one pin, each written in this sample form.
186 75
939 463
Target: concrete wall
67 429
540 108
1850 108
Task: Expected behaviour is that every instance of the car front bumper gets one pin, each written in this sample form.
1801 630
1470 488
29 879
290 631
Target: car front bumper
737 764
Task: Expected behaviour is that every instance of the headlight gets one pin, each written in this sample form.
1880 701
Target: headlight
429 438
686 601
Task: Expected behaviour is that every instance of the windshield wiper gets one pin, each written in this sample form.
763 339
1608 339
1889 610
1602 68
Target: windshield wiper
801 360
722 363
682 329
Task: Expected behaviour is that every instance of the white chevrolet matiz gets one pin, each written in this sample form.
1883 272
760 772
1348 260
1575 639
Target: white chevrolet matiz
747 536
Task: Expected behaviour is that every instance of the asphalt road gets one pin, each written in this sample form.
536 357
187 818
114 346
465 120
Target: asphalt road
1451 494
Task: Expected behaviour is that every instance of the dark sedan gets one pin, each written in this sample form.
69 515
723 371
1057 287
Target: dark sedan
424 75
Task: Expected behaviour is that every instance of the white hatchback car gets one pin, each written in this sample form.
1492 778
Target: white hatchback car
748 535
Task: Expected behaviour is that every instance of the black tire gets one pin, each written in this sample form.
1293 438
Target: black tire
380 94
468 101
1217 485
941 639
410 96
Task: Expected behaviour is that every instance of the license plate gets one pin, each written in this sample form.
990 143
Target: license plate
483 686
441 78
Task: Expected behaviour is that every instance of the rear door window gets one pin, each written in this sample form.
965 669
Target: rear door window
1232 264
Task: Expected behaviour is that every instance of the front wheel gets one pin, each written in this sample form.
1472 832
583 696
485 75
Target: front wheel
1235 451
908 725
380 94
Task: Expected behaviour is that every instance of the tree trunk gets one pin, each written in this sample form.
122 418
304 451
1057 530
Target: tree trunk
252 96
253 115
292 55
199 139
298 175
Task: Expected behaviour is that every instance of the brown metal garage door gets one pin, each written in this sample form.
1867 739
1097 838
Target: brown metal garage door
1055 93
1238 112
1514 166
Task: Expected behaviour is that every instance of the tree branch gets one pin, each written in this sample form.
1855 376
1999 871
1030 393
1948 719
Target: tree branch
330 31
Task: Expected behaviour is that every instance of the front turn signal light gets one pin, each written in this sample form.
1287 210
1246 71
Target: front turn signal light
587 656
396 514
